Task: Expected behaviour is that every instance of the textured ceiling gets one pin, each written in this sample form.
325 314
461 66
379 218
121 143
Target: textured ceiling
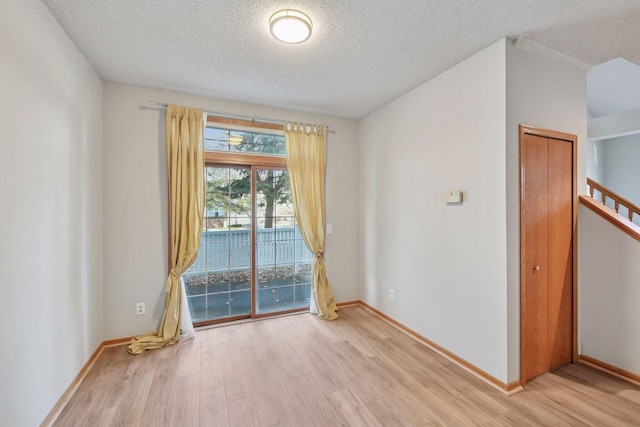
613 87
361 55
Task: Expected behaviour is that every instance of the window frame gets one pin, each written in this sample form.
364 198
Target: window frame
252 161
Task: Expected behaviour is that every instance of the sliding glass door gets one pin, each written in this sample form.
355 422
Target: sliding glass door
283 262
219 282
252 260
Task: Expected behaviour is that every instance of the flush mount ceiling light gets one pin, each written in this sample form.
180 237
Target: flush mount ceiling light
290 26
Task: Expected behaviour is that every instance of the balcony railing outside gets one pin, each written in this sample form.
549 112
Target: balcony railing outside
230 250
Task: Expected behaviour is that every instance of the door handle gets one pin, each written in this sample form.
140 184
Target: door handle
536 268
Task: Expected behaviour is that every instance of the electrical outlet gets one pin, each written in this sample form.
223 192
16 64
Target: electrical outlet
392 295
140 308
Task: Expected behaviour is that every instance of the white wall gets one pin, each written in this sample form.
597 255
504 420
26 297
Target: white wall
548 94
618 135
620 169
51 220
455 269
596 160
446 264
609 321
135 202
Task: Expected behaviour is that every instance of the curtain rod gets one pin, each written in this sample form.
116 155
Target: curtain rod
238 116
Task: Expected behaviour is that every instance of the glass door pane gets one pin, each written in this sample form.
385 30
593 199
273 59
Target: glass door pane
230 275
283 263
219 282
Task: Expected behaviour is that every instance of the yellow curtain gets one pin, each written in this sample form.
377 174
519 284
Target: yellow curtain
185 155
306 163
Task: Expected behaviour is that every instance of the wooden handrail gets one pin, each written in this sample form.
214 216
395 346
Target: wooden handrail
608 214
617 199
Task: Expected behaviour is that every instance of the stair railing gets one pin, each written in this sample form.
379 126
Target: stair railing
617 199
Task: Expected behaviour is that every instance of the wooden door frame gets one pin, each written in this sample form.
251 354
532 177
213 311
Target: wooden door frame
573 139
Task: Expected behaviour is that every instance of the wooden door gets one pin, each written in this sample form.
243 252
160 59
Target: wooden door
547 265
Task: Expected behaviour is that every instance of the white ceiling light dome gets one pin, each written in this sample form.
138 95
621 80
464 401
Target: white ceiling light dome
290 26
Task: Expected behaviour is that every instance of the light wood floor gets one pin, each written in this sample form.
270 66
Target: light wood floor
302 371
